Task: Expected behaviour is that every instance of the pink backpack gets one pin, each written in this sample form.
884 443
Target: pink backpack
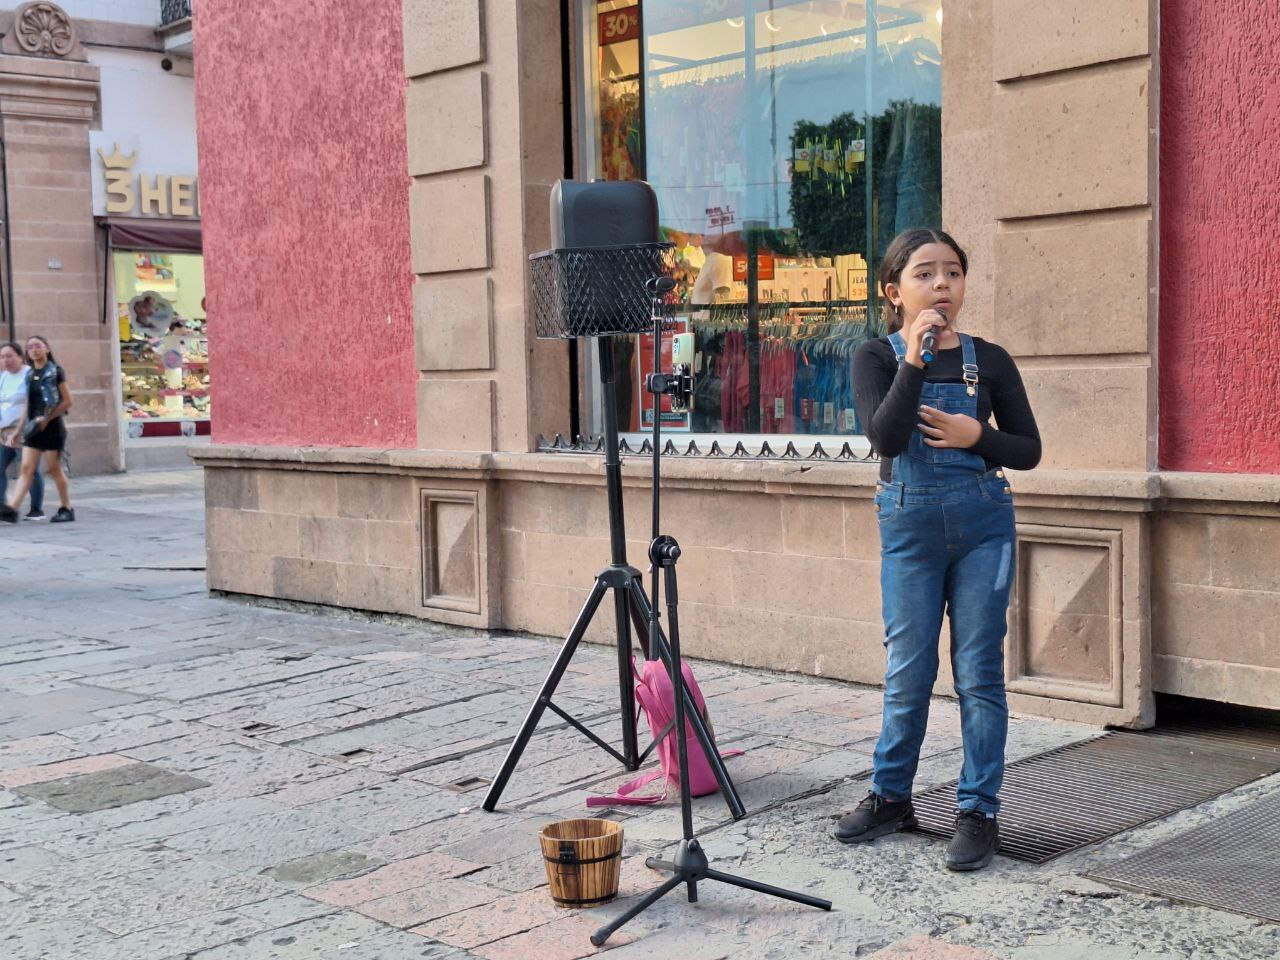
656 699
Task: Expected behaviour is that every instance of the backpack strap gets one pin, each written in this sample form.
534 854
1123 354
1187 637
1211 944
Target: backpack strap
623 797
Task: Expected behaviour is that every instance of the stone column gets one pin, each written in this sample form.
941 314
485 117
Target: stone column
485 142
48 101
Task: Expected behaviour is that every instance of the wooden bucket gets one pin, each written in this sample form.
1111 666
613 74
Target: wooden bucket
584 860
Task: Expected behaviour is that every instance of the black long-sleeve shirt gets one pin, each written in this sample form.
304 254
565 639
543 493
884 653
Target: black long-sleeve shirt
887 398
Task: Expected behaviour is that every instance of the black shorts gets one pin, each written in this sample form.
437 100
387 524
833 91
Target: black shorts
52 437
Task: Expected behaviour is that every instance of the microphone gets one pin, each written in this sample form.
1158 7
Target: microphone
929 342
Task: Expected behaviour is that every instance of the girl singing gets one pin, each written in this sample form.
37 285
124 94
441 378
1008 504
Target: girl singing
945 513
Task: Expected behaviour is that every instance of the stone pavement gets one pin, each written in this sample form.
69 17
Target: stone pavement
192 776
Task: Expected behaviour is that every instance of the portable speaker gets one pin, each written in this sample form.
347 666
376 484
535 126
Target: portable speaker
603 213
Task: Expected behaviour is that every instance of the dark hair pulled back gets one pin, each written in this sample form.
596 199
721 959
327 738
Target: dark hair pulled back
899 254
48 349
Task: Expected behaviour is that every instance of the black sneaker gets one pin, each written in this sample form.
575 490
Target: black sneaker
64 515
875 817
975 841
8 514
34 515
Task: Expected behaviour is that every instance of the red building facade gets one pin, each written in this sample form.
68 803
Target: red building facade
302 114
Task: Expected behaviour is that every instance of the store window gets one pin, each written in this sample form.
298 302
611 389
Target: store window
164 351
788 142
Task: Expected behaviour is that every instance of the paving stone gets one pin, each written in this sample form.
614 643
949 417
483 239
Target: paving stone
114 787
269 840
26 776
397 805
178 892
116 735
330 865
518 874
679 940
343 782
33 751
284 910
504 917
320 937
506 837
19 863
58 880
565 939
196 933
415 872
925 947
411 908
43 937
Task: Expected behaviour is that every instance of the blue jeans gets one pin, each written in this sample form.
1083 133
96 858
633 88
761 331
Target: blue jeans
948 546
7 456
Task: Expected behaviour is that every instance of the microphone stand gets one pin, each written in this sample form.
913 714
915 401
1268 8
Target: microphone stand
690 865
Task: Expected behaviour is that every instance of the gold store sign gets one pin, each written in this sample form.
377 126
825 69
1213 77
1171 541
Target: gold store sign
144 193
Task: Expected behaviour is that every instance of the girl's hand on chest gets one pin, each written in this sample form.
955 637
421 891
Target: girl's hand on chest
957 430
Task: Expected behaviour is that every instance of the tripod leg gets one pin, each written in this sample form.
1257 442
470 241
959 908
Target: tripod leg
609 929
626 680
772 891
640 614
544 695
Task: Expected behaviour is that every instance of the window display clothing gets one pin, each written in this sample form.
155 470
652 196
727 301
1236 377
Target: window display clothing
801 392
824 396
888 397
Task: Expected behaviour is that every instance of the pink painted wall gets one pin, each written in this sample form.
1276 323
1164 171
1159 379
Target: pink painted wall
1219 236
304 201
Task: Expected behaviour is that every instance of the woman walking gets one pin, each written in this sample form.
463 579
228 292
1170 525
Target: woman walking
13 415
45 433
945 514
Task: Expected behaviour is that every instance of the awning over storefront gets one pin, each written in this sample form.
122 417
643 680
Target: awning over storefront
170 236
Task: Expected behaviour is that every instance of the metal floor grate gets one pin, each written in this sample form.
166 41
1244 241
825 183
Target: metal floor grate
1079 794
1230 864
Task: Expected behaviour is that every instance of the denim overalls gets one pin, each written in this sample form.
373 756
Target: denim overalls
946 540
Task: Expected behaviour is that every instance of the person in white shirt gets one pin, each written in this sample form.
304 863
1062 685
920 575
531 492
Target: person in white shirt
13 415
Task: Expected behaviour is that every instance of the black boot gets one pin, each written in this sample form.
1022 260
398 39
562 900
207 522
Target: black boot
875 817
975 841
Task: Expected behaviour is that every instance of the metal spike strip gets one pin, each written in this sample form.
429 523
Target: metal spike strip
595 444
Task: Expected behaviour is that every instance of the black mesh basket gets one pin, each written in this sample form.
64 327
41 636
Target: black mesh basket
595 291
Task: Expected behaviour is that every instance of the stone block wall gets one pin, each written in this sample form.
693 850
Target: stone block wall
1216 597
319 537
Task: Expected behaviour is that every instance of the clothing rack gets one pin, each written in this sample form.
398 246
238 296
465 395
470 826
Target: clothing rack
819 329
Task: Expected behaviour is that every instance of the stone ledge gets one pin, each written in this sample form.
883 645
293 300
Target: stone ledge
776 476
813 478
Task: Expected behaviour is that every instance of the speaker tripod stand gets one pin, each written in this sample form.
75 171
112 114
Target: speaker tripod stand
631 606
